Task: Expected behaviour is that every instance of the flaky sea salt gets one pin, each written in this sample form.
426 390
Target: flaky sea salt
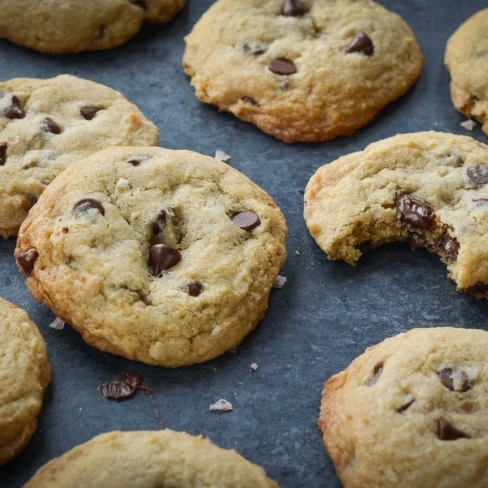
57 324
280 282
468 124
254 366
221 406
222 156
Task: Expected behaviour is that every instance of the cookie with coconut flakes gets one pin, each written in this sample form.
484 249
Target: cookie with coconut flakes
302 71
45 125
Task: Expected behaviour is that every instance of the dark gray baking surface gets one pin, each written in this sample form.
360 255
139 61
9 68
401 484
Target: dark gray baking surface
325 316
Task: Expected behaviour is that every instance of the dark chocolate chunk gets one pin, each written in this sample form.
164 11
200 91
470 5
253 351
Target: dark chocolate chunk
132 379
477 289
134 162
26 260
378 369
194 289
158 226
282 66
448 245
406 406
89 113
413 213
478 174
163 257
51 126
447 431
246 220
15 110
3 153
83 206
293 8
117 390
65 230
446 377
361 43
250 101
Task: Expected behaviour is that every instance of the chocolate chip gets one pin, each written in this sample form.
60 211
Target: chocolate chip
89 113
132 378
406 406
26 260
446 377
117 390
51 126
157 227
361 44
194 289
65 230
293 8
250 101
477 289
246 220
15 110
163 257
139 3
282 66
478 174
83 206
448 245
3 153
134 162
378 369
447 431
413 213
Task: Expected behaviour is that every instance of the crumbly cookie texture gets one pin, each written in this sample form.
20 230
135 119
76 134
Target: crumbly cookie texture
25 373
467 60
148 459
428 188
411 411
45 125
301 71
80 25
167 257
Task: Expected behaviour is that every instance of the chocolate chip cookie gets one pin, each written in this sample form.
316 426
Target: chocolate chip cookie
427 188
45 125
72 26
307 70
144 459
25 373
467 60
411 412
167 257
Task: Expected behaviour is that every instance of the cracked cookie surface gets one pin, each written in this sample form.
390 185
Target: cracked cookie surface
80 25
167 257
466 59
45 125
302 71
24 375
149 459
411 411
428 188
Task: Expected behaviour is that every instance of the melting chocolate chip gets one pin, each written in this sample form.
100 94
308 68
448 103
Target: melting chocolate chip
448 245
293 8
282 66
51 126
3 153
134 162
477 289
417 242
246 220
135 380
478 174
194 289
83 206
89 113
447 431
361 43
160 222
447 379
250 101
163 257
26 260
15 110
406 406
413 213
378 369
139 3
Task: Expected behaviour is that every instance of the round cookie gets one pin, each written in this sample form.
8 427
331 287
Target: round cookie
47 124
428 188
467 60
149 459
167 257
80 25
302 71
411 412
25 374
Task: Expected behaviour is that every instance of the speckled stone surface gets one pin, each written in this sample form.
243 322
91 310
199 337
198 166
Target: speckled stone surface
325 315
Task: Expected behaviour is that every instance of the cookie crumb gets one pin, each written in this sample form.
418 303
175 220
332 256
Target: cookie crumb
221 406
280 282
468 124
217 330
221 156
254 366
57 324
